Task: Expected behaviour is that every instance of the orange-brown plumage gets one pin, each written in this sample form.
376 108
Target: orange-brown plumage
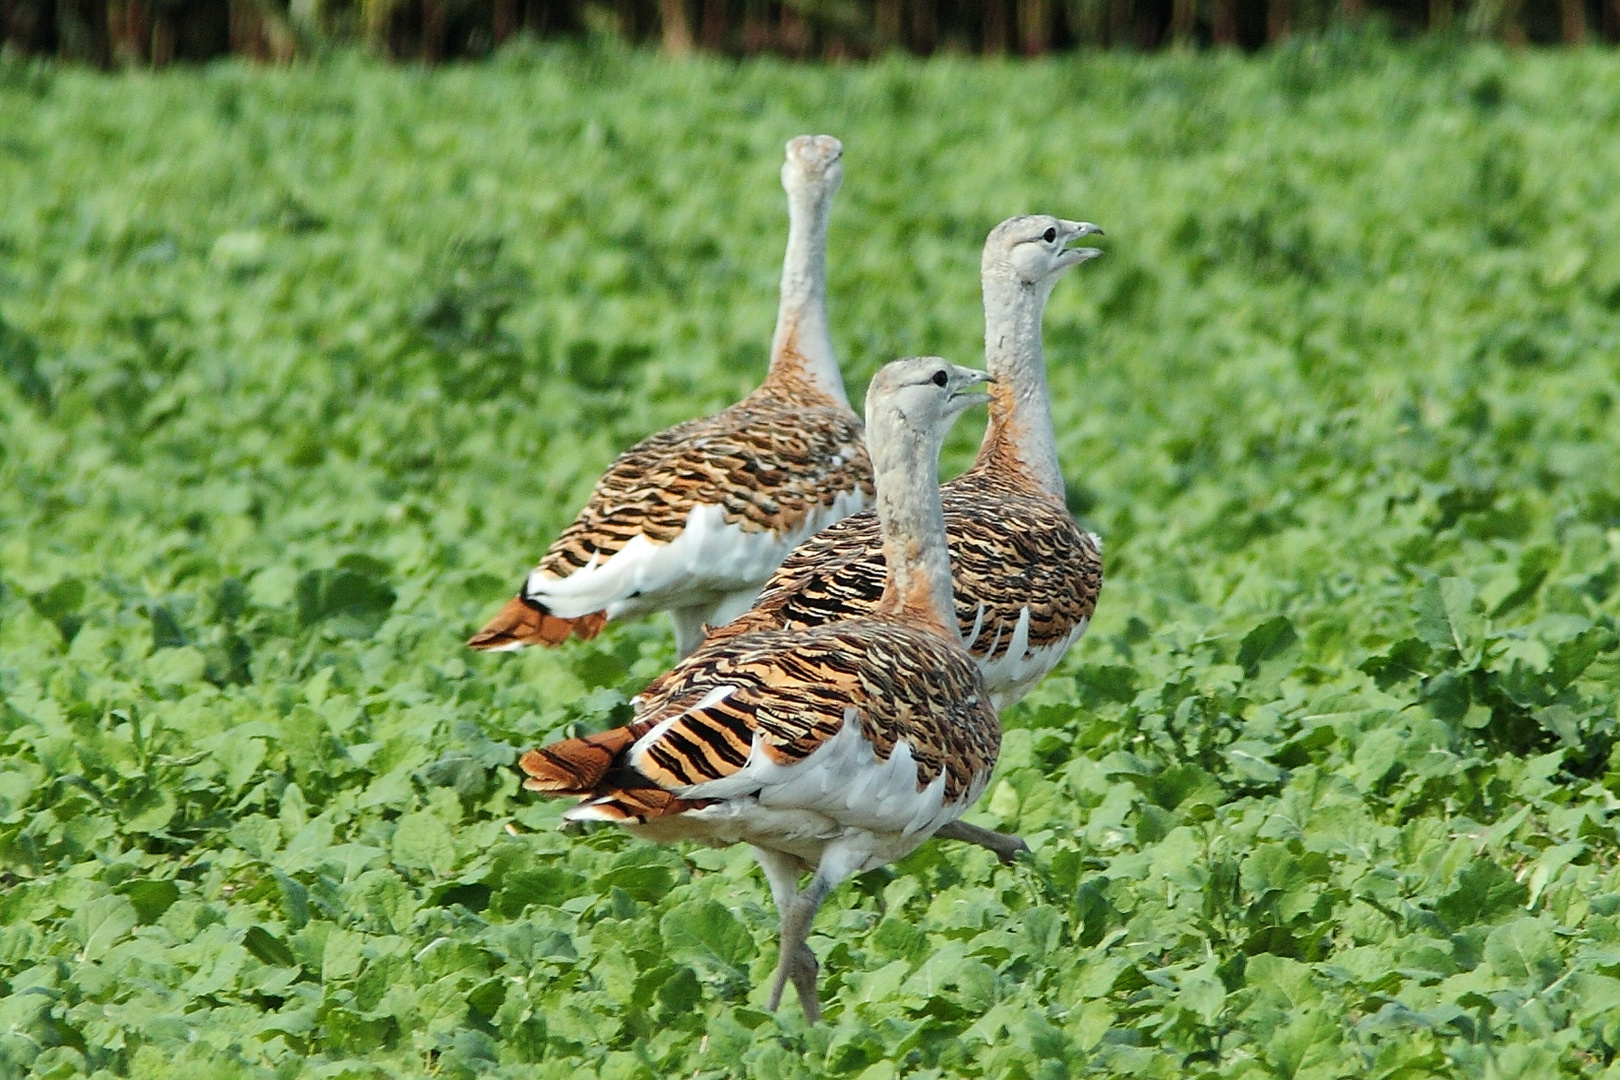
576 766
523 622
832 749
692 520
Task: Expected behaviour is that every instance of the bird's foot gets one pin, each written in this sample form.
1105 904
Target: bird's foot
1006 846
804 981
800 968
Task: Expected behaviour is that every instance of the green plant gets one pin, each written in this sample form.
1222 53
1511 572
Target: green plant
297 381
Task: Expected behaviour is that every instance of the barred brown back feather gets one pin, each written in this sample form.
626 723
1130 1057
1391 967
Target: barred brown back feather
781 454
792 692
1011 548
768 461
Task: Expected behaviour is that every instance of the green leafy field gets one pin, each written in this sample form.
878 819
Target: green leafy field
303 367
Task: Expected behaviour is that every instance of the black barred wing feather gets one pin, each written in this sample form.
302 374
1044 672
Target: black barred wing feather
768 463
692 516
1009 552
736 713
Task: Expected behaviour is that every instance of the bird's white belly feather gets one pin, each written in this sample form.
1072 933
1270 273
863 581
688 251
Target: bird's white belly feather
840 792
1015 672
711 558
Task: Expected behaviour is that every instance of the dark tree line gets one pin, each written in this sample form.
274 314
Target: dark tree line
115 33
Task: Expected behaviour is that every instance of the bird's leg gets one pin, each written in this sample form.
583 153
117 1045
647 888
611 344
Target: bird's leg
689 623
782 871
797 962
1006 846
805 971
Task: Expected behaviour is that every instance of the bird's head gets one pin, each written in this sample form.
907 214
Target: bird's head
1034 249
924 393
812 167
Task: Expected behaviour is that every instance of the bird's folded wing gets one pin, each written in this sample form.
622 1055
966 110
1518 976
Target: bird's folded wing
774 705
1008 554
764 467
751 718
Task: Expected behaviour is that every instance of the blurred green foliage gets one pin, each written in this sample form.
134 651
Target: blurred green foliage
300 369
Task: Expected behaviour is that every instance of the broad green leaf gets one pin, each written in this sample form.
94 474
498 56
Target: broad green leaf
1266 641
1446 618
1572 657
1406 659
1484 892
549 885
1524 949
102 923
150 896
422 841
268 948
60 604
182 666
354 601
1307 1046
707 933
641 880
1281 983
151 810
1201 993
241 755
1114 682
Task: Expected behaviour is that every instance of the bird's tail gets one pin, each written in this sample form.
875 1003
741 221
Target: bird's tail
527 622
633 805
582 767
576 766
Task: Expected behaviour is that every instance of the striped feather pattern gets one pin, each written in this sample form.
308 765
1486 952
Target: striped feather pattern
1012 548
784 695
774 463
769 461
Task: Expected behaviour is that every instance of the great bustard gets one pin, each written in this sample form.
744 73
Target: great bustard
1026 576
692 520
830 750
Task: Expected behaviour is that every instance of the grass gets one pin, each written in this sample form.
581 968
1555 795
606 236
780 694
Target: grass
303 367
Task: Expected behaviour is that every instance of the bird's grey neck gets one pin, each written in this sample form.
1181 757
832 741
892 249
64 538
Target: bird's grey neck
905 466
803 347
1020 411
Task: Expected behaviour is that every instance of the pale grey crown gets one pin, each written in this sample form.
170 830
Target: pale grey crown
813 165
927 392
1034 248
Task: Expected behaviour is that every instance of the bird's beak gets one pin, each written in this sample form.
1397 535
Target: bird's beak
1074 256
966 397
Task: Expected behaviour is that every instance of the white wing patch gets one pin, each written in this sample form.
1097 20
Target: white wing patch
842 781
1015 672
710 560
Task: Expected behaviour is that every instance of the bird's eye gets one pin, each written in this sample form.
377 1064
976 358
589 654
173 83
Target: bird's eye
1050 235
940 378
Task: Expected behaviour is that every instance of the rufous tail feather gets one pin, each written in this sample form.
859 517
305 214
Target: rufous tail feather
525 622
575 766
634 804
